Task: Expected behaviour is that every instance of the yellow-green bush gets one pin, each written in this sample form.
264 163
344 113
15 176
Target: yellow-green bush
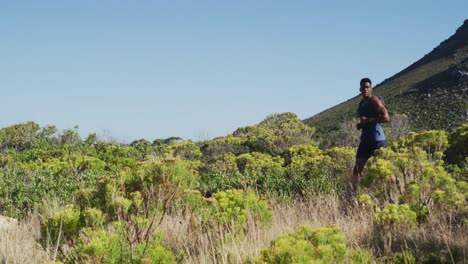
404 257
227 165
360 257
257 164
233 207
185 150
308 245
275 134
63 226
101 246
154 252
412 172
396 214
93 217
457 151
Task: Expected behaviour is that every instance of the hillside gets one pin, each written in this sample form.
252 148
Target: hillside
432 92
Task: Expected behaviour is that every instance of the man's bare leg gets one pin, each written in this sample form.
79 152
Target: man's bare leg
357 173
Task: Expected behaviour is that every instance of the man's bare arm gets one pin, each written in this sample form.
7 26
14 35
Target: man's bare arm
380 108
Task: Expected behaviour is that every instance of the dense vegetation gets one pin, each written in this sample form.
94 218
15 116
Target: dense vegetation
432 92
107 202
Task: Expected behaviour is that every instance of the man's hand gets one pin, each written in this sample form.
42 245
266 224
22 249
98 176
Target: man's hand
364 120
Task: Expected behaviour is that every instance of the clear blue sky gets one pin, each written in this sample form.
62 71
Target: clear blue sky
201 69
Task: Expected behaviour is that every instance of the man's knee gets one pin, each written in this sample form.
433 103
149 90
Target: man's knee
360 163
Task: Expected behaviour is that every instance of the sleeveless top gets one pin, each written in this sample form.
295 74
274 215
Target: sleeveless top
370 132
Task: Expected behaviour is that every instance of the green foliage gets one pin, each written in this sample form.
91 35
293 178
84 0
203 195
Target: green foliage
22 185
153 252
300 171
412 172
257 164
235 206
144 191
116 156
227 165
432 141
204 208
19 136
457 151
63 226
255 170
459 172
366 200
310 171
115 220
298 152
275 134
404 257
96 246
69 137
360 257
215 150
396 214
230 209
307 245
217 182
93 217
438 258
101 246
143 148
121 193
185 150
344 158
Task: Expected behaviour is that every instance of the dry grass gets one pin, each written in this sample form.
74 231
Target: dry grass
18 242
198 245
195 243
213 246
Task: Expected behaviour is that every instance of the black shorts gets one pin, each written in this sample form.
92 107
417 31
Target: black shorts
366 149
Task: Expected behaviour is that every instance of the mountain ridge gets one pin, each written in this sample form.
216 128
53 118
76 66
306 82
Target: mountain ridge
442 73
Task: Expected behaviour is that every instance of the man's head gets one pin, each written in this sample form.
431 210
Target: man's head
366 87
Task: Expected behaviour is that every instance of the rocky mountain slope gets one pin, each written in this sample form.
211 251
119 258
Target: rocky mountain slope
432 92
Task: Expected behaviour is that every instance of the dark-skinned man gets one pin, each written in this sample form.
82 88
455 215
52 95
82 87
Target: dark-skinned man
372 114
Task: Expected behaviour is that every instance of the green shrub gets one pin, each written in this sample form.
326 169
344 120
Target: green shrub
214 150
306 245
360 257
312 175
256 164
93 217
226 165
153 252
275 134
211 183
404 257
366 200
100 246
185 150
396 214
457 151
412 172
95 246
234 206
63 226
204 208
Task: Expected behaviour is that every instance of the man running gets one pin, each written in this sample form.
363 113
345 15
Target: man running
372 114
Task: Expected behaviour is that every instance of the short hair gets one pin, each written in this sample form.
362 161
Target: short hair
364 80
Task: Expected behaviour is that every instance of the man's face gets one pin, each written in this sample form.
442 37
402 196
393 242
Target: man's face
366 90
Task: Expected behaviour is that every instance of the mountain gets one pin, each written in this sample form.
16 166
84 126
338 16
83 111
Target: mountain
432 92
